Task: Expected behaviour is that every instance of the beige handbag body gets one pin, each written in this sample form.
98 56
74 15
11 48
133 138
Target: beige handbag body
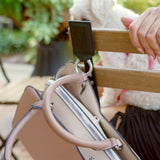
50 130
40 141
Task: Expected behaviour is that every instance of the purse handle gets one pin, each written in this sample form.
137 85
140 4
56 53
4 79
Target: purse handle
59 130
18 127
55 126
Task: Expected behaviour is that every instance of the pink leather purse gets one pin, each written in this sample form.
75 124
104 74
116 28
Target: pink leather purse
51 129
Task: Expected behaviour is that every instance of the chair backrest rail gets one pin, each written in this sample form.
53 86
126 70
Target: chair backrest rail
119 41
128 79
113 41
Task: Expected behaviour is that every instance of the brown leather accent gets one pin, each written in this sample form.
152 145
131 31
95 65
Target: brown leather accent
40 141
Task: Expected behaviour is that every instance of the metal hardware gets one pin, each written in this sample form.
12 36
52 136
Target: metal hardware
90 67
49 82
51 105
83 85
119 146
97 119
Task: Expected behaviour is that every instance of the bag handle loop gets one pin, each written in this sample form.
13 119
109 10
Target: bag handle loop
59 130
18 127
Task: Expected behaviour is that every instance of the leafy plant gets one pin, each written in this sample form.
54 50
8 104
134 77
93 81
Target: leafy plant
42 18
13 41
139 5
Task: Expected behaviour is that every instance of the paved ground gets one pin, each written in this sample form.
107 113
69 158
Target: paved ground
15 71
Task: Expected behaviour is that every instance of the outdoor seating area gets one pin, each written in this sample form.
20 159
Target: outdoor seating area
85 84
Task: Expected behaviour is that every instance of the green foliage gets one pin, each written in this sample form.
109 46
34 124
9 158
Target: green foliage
11 8
31 55
39 17
13 41
139 5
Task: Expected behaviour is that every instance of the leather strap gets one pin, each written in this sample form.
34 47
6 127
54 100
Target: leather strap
83 46
15 131
59 130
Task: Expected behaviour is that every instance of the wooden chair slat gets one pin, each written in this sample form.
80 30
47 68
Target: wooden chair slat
113 41
127 79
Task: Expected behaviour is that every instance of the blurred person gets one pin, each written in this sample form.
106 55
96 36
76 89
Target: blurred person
139 126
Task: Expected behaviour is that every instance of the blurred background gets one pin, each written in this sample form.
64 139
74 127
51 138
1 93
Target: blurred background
30 29
34 42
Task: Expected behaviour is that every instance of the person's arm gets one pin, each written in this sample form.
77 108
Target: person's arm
145 32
